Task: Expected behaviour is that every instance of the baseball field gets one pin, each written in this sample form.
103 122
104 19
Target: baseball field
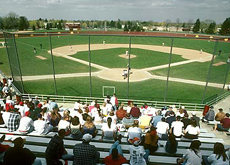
108 57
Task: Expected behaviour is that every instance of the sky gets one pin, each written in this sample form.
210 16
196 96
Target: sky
143 10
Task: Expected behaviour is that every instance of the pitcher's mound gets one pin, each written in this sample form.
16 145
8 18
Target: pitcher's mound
127 56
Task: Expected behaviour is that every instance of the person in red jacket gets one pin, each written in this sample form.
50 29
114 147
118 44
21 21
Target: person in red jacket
135 111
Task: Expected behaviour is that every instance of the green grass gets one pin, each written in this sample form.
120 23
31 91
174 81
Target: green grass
148 90
144 58
151 89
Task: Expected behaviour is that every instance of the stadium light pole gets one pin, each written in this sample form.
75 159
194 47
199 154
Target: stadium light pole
167 82
209 71
90 80
128 67
51 53
226 75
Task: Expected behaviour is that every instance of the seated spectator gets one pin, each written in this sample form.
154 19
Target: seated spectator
192 155
33 115
56 150
104 109
180 113
150 111
196 118
210 115
46 115
127 121
192 131
120 113
113 117
26 124
145 120
13 121
134 132
224 124
108 129
98 117
156 118
177 127
64 124
162 129
55 117
186 121
41 127
171 118
52 105
77 105
130 106
115 155
138 155
22 108
20 155
77 113
169 111
171 144
5 117
220 115
89 127
3 148
218 157
38 109
135 112
151 140
84 153
66 114
184 111
76 128
109 106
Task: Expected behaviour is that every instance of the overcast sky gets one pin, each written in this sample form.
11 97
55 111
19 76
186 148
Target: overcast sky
156 10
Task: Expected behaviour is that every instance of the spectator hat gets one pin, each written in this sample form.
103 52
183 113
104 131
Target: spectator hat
21 103
87 137
27 113
193 113
136 141
39 105
220 109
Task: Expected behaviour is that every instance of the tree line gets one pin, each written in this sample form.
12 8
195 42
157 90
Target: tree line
12 21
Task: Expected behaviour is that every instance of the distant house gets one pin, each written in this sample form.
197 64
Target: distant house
72 26
163 28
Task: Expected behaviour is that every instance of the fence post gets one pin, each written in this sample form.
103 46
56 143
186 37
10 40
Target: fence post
209 71
167 82
90 80
51 53
128 68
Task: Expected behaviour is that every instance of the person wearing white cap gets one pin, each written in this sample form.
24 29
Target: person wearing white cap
84 153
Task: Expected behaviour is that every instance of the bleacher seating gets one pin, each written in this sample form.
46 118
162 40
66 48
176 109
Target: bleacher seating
37 144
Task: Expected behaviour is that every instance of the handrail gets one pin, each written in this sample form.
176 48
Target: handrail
219 98
87 100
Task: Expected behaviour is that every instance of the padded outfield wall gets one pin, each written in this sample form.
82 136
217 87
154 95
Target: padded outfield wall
181 68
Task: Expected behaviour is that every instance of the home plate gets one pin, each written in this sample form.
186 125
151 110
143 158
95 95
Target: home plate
42 58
